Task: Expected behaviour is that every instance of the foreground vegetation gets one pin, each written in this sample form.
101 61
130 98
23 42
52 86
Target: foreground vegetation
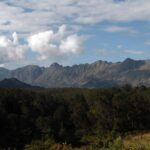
79 119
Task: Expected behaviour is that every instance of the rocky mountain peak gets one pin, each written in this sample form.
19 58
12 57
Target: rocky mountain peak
55 65
128 60
97 74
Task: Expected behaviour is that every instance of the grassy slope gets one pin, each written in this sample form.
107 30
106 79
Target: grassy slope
138 140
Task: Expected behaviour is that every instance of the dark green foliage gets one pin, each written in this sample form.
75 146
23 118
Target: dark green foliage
74 116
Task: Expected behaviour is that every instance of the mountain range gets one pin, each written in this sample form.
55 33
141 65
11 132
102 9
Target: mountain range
94 75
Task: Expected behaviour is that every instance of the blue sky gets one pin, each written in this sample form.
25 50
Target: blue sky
73 31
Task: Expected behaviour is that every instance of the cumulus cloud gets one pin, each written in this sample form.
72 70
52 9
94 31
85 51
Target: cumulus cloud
50 44
37 21
10 49
72 43
47 45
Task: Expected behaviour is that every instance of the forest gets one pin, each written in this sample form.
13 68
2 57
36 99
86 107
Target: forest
67 119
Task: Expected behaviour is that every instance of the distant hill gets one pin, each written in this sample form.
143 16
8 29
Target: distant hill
15 83
94 75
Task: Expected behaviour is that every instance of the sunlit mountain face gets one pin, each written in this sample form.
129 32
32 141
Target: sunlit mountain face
99 74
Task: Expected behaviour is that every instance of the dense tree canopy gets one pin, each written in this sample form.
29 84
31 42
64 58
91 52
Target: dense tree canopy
73 116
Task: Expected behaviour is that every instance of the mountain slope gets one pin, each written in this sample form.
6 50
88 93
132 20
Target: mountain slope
4 73
14 83
27 74
97 74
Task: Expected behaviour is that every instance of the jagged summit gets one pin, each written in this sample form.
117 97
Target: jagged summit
97 74
55 65
129 60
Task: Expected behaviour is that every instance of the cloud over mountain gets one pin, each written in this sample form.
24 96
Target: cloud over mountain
54 44
11 49
39 26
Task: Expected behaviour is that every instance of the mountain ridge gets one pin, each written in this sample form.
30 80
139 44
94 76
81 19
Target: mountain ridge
15 83
97 74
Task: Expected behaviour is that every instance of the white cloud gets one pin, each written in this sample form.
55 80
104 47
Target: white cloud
15 38
50 44
34 16
2 65
10 49
72 44
134 52
37 21
113 29
94 11
147 42
40 41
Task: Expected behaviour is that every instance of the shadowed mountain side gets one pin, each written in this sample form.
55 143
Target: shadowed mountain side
14 83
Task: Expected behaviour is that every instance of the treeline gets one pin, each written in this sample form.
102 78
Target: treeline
78 117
